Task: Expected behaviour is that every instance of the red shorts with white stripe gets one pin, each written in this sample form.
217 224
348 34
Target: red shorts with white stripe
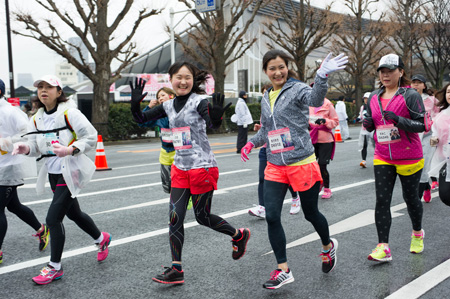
199 180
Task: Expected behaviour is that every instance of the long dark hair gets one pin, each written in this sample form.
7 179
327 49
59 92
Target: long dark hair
62 98
441 96
198 75
273 54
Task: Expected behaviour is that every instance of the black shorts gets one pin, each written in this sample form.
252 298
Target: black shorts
323 152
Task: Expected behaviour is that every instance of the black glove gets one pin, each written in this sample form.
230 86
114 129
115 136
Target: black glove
216 110
320 121
368 124
389 115
357 120
136 94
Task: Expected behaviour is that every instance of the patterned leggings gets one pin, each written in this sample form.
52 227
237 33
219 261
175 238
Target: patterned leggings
385 176
179 199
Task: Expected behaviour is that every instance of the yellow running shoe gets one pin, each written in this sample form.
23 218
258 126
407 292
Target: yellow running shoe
43 237
381 253
189 204
417 243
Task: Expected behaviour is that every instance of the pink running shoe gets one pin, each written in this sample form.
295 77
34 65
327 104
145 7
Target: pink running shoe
326 193
427 195
103 247
434 186
48 274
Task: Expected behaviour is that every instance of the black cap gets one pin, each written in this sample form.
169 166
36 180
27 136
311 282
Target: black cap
391 61
420 78
242 93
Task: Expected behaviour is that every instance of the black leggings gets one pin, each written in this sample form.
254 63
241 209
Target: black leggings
10 200
179 199
325 175
444 187
63 204
274 193
385 176
262 166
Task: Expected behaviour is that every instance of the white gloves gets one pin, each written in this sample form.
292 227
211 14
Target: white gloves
245 126
330 65
6 144
61 150
20 148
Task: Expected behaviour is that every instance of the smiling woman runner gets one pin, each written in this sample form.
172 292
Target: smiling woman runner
290 155
194 171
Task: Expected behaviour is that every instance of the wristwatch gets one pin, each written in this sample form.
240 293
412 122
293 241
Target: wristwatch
75 151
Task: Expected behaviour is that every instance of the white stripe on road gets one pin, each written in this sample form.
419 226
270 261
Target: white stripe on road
123 189
76 252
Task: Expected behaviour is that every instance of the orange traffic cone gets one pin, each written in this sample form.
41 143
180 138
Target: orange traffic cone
100 158
337 134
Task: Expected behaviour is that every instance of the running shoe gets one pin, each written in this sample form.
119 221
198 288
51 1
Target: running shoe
295 206
43 237
48 274
329 258
326 193
103 247
363 164
258 211
427 195
170 276
434 185
278 278
240 246
381 253
417 243
1 256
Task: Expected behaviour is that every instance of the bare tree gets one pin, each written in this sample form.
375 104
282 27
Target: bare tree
300 28
405 21
362 40
433 45
218 39
88 20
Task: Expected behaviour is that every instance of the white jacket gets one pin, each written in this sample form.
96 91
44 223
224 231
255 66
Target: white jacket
341 110
13 124
243 115
77 170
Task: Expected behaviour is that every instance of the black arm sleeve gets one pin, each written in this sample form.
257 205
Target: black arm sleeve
149 115
416 111
202 109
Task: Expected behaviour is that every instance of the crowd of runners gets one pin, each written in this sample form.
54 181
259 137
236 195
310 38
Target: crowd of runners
406 121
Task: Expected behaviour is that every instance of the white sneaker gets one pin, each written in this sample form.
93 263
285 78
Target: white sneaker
258 211
295 206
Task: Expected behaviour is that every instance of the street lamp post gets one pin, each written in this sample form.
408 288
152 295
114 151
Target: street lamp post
172 33
8 33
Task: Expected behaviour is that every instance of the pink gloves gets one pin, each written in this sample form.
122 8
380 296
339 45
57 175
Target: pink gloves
20 148
61 150
246 150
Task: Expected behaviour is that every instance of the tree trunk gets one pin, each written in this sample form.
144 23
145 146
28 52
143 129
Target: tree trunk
100 101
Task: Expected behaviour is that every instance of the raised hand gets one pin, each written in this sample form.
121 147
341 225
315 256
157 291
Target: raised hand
216 110
137 90
246 150
330 65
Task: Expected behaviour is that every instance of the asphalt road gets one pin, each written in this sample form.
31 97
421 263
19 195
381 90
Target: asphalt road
128 202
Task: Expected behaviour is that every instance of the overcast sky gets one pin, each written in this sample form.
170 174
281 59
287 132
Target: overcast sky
31 56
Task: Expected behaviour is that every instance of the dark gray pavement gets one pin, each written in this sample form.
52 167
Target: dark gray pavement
140 240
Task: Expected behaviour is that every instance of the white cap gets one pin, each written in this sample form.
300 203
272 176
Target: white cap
366 95
50 79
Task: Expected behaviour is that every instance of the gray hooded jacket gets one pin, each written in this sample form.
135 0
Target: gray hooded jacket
291 110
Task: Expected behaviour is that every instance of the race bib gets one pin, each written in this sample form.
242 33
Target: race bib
166 135
280 141
388 134
181 138
50 138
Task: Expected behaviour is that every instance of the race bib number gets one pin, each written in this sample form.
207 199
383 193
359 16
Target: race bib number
181 138
388 134
50 138
280 141
166 135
